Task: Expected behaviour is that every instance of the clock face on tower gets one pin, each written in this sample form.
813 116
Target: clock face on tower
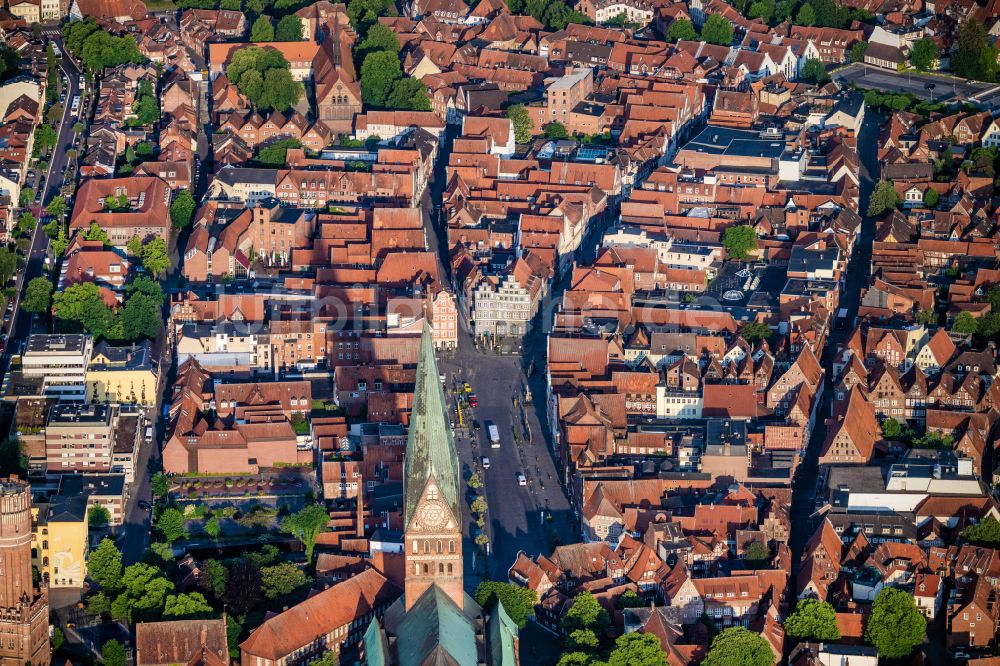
433 514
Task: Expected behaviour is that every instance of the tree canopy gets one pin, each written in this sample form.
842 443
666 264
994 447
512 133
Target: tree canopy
519 602
975 57
281 579
379 72
96 48
289 29
306 526
38 295
585 613
965 324
113 653
738 646
264 77
155 258
883 198
924 53
637 649
104 564
984 533
261 30
814 70
739 241
182 209
681 29
524 127
717 30
82 303
895 626
187 606
813 620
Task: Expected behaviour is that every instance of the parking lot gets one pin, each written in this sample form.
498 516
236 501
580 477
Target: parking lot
532 517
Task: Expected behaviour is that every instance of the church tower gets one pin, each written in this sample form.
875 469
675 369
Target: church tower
432 513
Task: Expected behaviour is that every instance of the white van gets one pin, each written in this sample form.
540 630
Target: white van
521 481
149 433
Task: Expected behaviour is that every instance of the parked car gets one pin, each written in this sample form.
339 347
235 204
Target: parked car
521 480
486 462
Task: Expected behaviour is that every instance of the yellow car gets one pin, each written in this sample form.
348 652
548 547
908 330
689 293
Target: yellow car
466 387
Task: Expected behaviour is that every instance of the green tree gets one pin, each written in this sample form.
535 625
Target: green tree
519 602
739 241
756 330
895 626
171 525
141 318
212 527
379 72
182 209
757 551
155 258
975 57
380 38
717 30
282 579
58 639
243 586
806 15
160 485
264 77
26 223
409 94
474 482
524 128
45 137
762 9
289 29
883 198
213 578
262 30
927 317
104 565
858 51
577 659
892 429
231 5
144 593
556 131
738 646
813 620
989 325
681 29
965 324
924 54
82 303
814 70
629 599
192 605
134 246
637 649
582 640
95 233
37 295
13 459
478 505
27 196
984 533
56 207
585 613
113 653
931 197
274 155
98 517
306 526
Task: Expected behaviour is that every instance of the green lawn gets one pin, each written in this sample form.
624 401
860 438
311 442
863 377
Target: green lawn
160 5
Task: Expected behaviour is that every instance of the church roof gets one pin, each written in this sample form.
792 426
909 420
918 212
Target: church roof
436 631
430 449
502 637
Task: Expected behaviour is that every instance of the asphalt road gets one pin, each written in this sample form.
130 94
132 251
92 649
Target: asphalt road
533 517
945 88
20 324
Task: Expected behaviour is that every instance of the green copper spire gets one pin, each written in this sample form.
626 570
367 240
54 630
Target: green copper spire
430 449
